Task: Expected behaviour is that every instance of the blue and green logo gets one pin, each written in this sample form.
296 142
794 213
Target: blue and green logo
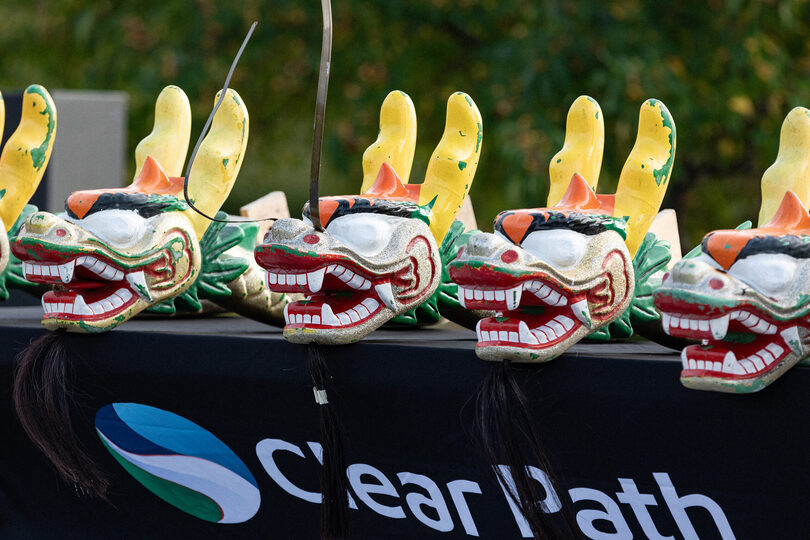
179 461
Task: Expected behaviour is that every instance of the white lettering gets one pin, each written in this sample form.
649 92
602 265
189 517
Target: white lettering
639 503
317 451
265 450
678 505
364 491
457 490
549 505
435 500
612 513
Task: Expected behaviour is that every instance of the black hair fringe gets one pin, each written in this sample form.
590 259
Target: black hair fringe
503 430
43 398
334 485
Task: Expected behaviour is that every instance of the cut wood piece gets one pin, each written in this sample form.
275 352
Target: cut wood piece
665 227
274 204
467 215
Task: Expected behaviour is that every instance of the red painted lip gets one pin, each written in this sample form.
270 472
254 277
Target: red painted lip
748 361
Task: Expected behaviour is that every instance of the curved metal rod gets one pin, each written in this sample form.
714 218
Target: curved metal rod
320 113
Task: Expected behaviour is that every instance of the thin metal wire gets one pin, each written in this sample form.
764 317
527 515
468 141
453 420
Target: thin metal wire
320 113
204 132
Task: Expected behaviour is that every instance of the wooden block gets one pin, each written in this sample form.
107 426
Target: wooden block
274 204
665 227
467 215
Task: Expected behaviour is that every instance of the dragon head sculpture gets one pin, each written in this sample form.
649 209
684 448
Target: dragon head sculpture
23 162
744 294
554 275
378 254
116 252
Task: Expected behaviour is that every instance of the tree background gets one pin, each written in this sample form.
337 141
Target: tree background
729 71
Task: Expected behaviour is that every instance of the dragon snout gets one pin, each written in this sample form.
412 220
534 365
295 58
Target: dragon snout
41 222
485 245
286 230
692 272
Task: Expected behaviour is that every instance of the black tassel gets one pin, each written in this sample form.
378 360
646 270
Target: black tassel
43 399
334 485
504 431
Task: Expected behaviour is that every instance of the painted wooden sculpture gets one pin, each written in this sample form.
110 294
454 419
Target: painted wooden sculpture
379 254
117 252
744 292
557 274
22 165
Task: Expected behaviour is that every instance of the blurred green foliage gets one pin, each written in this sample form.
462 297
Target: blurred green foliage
729 71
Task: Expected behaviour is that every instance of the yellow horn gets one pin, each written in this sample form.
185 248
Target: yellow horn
582 151
645 174
168 142
396 142
2 116
218 160
791 170
26 153
452 166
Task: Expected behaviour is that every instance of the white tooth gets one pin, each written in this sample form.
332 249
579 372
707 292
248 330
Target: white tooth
701 364
719 326
115 300
386 294
35 270
331 269
316 319
542 291
362 311
125 294
478 294
98 266
549 331
307 319
69 308
552 298
717 367
282 279
748 366
346 276
684 359
666 320
315 280
541 337
344 318
692 363
328 316
356 282
371 304
461 300
565 321
757 360
525 335
767 356
119 275
730 364
676 321
489 295
287 314
26 269
107 305
353 315
137 281
272 279
562 301
762 327
581 312
478 330
513 297
96 308
513 337
366 285
301 279
66 271
703 325
45 306
503 335
775 350
500 295
792 340
80 306
735 315
299 318
693 324
558 328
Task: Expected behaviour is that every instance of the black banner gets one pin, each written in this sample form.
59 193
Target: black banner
634 454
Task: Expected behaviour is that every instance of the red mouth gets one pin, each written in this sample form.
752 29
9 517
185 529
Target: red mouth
766 342
90 287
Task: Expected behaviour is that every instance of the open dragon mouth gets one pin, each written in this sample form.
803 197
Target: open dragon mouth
87 287
738 343
338 295
531 315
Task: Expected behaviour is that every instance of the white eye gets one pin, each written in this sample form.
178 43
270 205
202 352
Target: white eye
561 248
366 234
119 228
767 273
